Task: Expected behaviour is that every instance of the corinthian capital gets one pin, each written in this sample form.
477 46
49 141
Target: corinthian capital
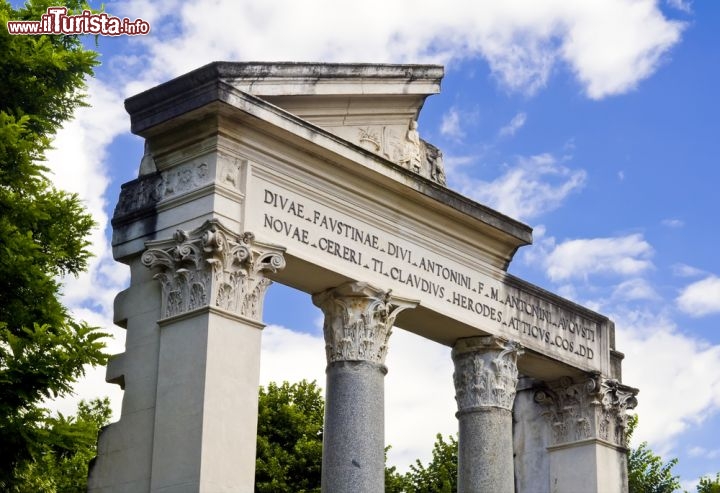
593 408
485 373
358 321
211 266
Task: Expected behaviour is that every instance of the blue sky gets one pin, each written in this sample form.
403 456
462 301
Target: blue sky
594 122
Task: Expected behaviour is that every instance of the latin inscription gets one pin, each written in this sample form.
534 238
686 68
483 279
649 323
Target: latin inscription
523 314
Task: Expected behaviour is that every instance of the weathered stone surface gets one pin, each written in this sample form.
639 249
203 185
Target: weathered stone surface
354 428
211 266
594 408
369 240
358 321
485 373
570 435
530 441
485 381
485 452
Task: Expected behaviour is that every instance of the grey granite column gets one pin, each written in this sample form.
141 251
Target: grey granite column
358 321
485 380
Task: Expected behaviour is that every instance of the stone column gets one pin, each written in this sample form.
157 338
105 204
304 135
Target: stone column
485 380
587 421
358 321
212 289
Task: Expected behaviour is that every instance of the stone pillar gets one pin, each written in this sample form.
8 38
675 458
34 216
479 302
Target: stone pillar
587 423
212 290
530 439
485 380
358 322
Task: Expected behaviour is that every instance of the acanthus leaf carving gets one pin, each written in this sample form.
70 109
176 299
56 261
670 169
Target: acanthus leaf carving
212 266
358 321
594 408
485 373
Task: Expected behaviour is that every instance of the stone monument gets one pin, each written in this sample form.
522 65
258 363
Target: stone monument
315 176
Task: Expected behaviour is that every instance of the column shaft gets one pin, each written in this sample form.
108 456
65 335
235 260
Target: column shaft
485 453
354 428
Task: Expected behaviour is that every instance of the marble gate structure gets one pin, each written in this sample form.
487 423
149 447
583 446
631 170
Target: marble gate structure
315 176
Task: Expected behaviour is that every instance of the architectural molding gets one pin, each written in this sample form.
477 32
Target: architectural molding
485 373
358 321
211 266
593 408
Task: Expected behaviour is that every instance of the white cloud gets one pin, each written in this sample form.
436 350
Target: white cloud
454 163
703 452
683 270
419 397
535 185
618 62
610 45
450 125
635 289
622 255
676 373
291 356
682 5
673 223
689 484
701 298
517 122
77 164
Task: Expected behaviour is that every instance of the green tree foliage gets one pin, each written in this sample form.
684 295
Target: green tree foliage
439 476
709 485
289 442
42 237
646 471
394 481
61 465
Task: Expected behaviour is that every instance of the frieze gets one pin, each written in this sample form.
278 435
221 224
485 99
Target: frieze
149 189
594 408
404 148
485 373
358 321
212 266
